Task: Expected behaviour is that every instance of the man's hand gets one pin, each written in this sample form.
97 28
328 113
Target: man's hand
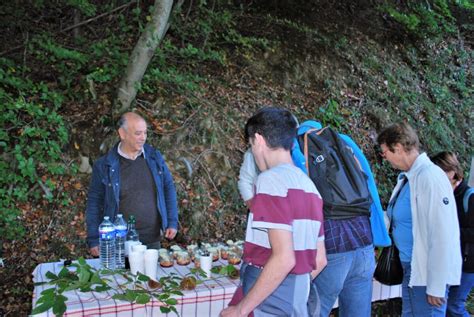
94 251
231 311
321 260
435 301
280 263
170 233
248 203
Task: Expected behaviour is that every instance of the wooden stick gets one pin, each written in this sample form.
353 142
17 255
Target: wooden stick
75 25
97 17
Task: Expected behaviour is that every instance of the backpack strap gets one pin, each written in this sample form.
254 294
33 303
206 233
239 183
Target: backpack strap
306 156
465 200
355 157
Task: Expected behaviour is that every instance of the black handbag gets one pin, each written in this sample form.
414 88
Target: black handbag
389 269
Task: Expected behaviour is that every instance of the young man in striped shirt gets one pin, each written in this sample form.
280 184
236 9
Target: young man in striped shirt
284 243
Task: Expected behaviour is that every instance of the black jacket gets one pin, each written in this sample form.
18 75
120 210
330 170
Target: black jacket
466 223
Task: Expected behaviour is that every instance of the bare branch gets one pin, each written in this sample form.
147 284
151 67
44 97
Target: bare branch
98 17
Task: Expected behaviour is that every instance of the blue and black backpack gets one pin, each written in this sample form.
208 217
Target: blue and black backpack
332 166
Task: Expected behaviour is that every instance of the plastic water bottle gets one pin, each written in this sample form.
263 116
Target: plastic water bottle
107 243
120 236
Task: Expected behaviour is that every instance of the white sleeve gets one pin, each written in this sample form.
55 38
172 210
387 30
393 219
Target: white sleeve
248 176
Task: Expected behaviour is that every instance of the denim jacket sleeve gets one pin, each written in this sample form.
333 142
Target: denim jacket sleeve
95 204
170 195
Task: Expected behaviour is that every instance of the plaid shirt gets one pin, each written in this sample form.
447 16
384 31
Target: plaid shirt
345 235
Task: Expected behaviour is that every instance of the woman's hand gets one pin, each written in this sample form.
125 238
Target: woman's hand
436 301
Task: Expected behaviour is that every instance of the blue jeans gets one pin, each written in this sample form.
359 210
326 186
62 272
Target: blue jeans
348 276
458 295
415 299
290 298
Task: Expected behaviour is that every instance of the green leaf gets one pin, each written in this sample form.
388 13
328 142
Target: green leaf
143 298
179 293
165 309
51 275
45 299
173 309
49 291
143 277
120 297
106 272
59 306
102 288
82 261
201 273
84 276
223 271
62 284
95 279
171 301
74 285
42 308
85 288
40 283
64 273
130 295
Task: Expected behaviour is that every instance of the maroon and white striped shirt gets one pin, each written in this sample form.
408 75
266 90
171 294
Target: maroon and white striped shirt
285 198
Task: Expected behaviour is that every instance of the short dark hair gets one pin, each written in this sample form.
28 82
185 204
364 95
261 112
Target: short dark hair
448 162
122 122
401 133
276 125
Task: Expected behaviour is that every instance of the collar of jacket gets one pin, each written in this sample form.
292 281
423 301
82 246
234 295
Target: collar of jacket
112 158
421 162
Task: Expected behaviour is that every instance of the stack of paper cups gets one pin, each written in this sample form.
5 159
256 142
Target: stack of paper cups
128 246
137 258
206 264
139 248
151 263
137 263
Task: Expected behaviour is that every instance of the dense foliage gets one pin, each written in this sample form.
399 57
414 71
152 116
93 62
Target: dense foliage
354 65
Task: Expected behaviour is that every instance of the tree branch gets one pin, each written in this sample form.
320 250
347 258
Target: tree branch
98 17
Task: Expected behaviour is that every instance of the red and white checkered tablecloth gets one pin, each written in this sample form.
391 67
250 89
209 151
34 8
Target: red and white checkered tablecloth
208 299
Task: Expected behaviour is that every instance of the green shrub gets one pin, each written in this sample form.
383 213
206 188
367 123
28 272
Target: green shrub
432 18
31 139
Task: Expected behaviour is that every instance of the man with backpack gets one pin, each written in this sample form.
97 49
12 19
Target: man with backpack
351 237
347 203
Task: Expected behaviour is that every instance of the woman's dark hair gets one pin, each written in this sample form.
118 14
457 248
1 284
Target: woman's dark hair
449 163
276 125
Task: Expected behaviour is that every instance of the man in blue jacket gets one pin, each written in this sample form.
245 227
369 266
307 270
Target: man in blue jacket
132 179
349 246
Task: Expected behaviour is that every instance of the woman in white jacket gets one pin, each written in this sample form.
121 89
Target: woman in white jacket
424 222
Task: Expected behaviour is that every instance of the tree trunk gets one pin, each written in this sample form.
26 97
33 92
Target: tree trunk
142 54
